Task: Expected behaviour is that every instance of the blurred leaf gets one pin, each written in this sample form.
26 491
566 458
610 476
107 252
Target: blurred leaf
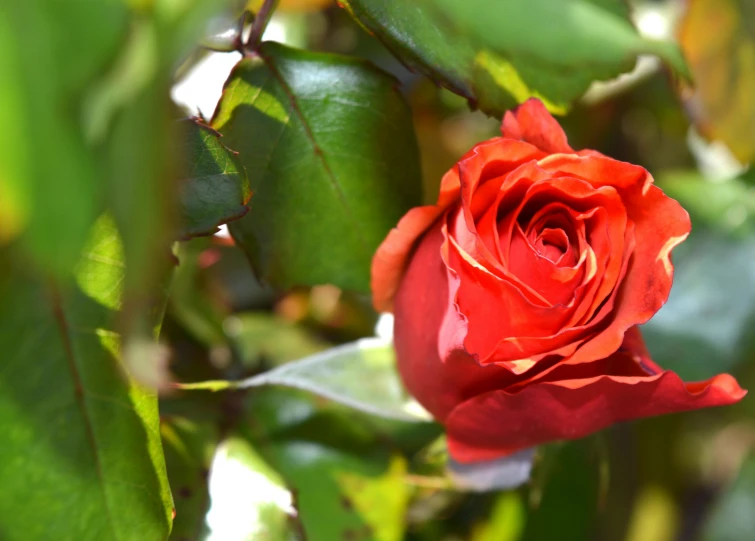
50 50
261 336
727 205
507 520
731 518
189 446
214 189
566 491
250 501
197 309
81 456
502 473
361 375
703 329
654 517
718 39
499 53
348 485
292 5
329 147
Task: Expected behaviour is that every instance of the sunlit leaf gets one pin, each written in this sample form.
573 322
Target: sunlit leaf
81 456
506 522
718 39
499 53
292 5
249 499
329 147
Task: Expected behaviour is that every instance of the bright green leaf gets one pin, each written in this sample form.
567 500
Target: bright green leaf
214 189
330 150
81 456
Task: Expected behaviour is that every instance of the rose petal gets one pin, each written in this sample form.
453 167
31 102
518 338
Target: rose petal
499 423
487 160
433 365
660 224
532 122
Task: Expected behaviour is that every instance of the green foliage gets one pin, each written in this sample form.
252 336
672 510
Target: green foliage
81 455
348 483
214 189
499 53
330 151
98 179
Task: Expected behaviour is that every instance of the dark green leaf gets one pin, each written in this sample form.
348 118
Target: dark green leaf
565 490
81 456
214 189
330 150
499 53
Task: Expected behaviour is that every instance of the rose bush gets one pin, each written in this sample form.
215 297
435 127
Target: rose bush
517 296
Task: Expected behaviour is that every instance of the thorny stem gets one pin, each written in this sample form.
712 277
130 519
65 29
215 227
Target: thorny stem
261 18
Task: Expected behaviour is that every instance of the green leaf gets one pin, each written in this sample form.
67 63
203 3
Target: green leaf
361 375
731 518
348 483
214 189
81 456
51 175
261 336
566 490
727 205
498 53
506 522
329 147
703 329
250 500
189 447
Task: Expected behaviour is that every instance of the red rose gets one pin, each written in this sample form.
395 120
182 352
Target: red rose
516 297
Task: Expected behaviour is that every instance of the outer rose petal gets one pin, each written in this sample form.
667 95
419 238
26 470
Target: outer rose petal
433 365
502 422
532 122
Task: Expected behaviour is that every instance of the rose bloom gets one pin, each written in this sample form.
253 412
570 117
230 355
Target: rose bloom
517 296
